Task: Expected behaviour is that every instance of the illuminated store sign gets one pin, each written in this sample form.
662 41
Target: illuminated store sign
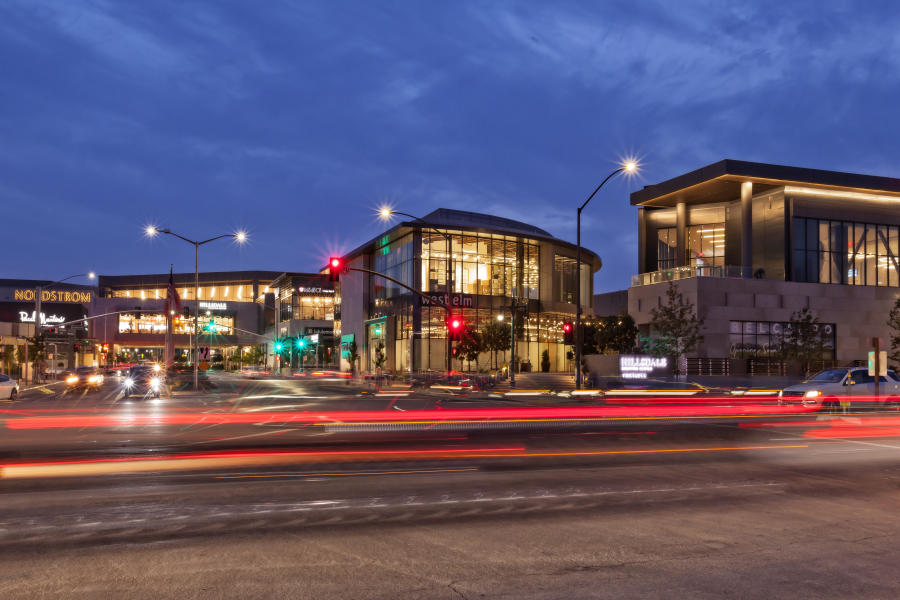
74 296
25 317
314 290
214 305
641 367
458 300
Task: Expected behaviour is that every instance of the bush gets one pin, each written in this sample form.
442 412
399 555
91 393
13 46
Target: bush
545 361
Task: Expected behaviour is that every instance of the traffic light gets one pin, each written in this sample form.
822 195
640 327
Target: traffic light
454 352
278 346
210 327
568 334
300 343
74 347
455 327
336 266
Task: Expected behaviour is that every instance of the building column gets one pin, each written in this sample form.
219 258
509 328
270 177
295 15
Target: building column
680 229
747 229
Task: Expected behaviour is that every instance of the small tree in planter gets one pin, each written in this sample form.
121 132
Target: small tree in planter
380 356
353 355
674 328
545 361
470 346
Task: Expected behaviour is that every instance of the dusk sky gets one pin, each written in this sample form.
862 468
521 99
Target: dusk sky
296 120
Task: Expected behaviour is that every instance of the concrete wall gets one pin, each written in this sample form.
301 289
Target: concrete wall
859 312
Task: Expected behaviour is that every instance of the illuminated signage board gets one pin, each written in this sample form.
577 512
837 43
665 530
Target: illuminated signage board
632 366
458 300
26 317
214 305
73 296
314 290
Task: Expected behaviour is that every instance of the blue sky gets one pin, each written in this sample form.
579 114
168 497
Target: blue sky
295 120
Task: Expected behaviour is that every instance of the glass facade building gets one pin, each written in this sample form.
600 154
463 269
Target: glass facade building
481 265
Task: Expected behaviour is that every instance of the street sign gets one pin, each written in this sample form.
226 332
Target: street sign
882 363
204 366
203 353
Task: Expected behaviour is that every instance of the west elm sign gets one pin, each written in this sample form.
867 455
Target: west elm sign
456 300
636 366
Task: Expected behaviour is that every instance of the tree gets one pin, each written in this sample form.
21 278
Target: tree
545 361
380 355
614 334
36 354
894 324
495 338
674 328
470 346
803 339
353 355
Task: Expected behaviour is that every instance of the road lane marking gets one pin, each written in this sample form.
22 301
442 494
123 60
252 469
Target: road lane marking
275 476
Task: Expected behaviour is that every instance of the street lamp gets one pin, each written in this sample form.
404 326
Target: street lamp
385 213
629 167
38 322
240 237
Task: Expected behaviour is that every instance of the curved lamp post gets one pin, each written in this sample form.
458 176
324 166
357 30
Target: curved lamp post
38 322
629 168
239 236
385 213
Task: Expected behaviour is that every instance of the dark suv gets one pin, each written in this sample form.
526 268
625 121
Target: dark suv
144 380
84 378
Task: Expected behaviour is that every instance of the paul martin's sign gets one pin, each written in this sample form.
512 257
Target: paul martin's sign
456 300
74 296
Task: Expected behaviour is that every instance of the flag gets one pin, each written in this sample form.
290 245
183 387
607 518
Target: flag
173 301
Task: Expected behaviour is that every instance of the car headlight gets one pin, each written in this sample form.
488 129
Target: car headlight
72 379
780 393
95 378
812 394
154 383
156 368
129 382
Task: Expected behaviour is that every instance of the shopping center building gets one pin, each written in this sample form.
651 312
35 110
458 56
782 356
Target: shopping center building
60 303
750 244
231 304
491 262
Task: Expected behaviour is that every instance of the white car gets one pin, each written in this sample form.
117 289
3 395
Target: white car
852 384
9 387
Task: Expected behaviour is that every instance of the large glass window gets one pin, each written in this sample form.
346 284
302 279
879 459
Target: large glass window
486 265
706 245
666 247
156 324
828 251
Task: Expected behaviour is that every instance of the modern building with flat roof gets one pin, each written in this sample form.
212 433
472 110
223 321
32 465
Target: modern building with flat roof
750 244
231 305
481 265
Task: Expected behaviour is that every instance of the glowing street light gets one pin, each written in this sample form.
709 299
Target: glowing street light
239 236
629 167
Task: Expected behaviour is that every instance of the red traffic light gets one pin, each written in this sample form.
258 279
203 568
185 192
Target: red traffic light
336 266
455 324
567 327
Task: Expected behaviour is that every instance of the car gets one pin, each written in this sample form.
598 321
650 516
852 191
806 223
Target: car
831 387
143 380
9 387
88 378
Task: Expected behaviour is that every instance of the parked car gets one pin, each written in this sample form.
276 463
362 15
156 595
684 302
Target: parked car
830 387
9 387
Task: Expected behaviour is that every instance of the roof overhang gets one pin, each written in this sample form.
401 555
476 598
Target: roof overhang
721 181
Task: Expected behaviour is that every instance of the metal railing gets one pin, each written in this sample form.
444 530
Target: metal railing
676 273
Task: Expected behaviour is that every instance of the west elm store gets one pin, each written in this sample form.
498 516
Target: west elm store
492 264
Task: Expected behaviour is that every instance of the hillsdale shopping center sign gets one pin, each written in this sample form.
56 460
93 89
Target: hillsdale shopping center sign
74 296
632 366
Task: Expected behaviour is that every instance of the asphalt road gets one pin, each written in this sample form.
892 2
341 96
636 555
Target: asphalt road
650 509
